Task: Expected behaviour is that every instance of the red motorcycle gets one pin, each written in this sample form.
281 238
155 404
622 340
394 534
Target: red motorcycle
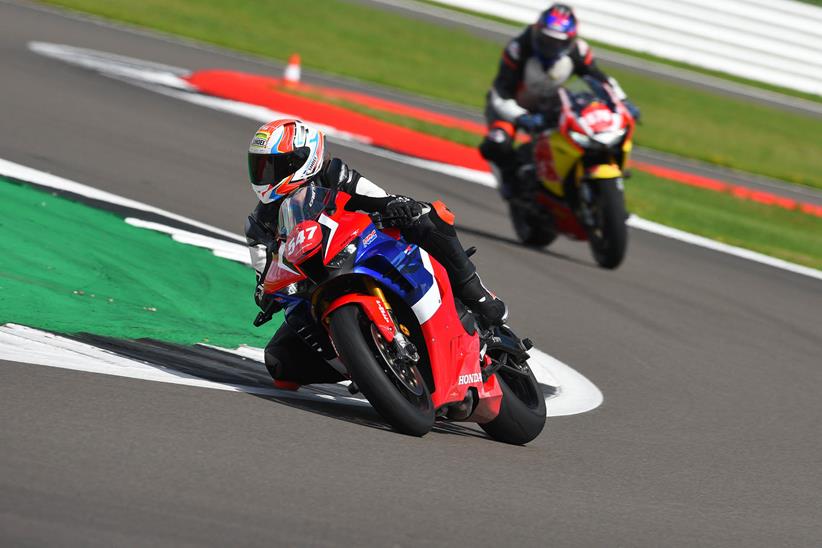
356 291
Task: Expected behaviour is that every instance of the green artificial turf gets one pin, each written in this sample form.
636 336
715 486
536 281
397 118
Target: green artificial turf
70 268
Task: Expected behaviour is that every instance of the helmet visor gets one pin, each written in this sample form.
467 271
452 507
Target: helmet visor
270 169
550 48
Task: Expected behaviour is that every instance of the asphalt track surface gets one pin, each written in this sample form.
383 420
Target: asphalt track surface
710 367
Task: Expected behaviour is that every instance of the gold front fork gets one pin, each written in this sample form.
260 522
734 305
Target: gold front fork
376 291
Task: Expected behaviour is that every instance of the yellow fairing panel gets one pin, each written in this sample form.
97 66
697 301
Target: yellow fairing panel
605 171
565 157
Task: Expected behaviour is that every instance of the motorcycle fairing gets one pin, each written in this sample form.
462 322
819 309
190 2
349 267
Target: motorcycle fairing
401 267
353 224
456 366
281 274
305 240
415 276
604 171
563 217
373 308
555 158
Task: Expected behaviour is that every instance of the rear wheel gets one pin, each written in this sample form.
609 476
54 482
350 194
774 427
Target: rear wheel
608 237
531 229
522 411
395 389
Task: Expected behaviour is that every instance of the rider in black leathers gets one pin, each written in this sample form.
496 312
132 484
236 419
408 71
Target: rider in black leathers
524 93
289 360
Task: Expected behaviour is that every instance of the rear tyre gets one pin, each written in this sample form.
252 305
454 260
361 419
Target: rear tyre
522 411
404 403
609 236
530 228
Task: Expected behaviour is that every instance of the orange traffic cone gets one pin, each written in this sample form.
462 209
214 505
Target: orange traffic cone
292 70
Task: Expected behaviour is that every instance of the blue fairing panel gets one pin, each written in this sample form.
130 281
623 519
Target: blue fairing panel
395 264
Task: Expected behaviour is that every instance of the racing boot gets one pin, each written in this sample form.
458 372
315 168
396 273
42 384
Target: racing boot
508 183
490 310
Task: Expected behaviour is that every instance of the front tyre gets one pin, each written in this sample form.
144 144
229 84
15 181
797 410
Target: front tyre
398 392
522 411
608 237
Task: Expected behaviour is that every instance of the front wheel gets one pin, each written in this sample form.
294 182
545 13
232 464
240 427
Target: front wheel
608 237
522 411
396 390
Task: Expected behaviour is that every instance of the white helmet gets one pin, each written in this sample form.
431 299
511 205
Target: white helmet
283 155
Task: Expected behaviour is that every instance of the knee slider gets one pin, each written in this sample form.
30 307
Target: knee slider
273 363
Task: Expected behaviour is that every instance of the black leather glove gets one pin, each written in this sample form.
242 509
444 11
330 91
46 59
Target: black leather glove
531 122
268 305
402 211
633 109
259 296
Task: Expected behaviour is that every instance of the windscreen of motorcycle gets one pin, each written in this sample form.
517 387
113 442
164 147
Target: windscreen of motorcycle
306 203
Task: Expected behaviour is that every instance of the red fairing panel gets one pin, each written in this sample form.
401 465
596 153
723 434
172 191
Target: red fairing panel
281 275
373 308
454 354
564 219
303 242
343 226
598 117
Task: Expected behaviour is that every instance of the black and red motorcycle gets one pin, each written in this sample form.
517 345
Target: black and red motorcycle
571 177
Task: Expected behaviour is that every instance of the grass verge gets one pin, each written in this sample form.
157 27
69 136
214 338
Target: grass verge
789 235
445 63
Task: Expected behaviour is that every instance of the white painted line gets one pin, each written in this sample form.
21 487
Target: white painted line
115 65
707 243
220 248
576 394
23 173
23 344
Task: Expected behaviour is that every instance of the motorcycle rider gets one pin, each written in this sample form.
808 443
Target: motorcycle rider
524 93
286 154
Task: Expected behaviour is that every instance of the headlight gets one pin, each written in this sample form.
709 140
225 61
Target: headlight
580 138
610 138
342 256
